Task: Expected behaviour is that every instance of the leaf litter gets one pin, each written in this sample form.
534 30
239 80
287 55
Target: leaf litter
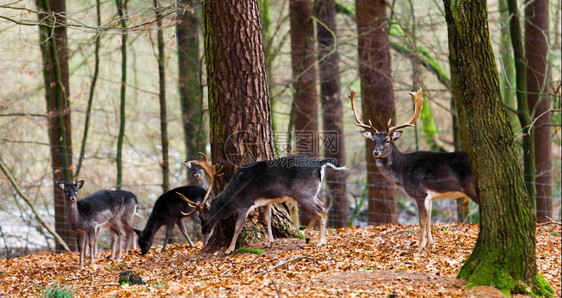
374 261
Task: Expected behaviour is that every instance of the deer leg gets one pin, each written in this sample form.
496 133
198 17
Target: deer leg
169 230
267 215
181 226
237 229
92 243
422 209
82 245
428 203
323 240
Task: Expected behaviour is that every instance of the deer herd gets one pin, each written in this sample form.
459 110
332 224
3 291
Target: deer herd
422 175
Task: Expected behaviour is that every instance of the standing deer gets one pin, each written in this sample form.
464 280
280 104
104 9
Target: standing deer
112 209
422 175
169 210
261 184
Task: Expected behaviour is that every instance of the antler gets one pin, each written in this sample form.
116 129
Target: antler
418 100
212 171
196 207
358 121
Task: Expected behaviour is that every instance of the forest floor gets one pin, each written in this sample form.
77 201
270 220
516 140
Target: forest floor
375 261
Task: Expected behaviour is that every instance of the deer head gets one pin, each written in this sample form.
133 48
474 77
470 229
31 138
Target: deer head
212 172
382 139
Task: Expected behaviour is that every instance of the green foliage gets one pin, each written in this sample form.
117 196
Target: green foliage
56 291
130 278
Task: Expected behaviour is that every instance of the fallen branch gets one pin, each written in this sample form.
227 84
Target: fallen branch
550 222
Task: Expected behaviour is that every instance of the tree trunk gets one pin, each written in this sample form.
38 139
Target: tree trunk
332 111
121 9
377 103
164 164
190 90
523 112
536 47
305 104
507 72
240 115
54 52
504 255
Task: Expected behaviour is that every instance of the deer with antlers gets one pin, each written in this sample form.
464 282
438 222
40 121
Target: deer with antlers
422 175
261 184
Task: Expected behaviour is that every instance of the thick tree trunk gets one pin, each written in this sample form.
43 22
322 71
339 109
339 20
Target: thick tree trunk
240 115
164 164
536 47
190 92
377 95
54 52
332 111
305 103
504 255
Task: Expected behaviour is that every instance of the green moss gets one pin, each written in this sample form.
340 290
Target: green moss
542 287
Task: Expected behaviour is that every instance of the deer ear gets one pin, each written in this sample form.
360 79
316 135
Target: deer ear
368 135
396 135
60 184
79 184
188 164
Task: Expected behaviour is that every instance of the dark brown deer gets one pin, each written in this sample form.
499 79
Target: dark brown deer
113 209
261 184
169 209
422 175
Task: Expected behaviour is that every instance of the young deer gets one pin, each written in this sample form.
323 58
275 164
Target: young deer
169 209
422 175
262 184
112 209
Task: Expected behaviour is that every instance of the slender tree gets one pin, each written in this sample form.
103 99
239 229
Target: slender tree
54 52
189 82
523 112
377 99
304 109
332 110
507 73
164 164
92 89
121 10
504 254
536 49
240 116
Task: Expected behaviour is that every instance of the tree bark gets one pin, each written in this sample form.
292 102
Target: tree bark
377 103
332 111
190 90
504 255
536 47
304 109
54 51
164 164
240 115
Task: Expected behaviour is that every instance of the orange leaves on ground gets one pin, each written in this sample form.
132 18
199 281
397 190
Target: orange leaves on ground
372 261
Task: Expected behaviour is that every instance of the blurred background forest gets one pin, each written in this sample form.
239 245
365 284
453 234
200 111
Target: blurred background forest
26 148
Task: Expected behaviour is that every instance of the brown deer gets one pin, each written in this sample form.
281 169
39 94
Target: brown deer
261 184
422 175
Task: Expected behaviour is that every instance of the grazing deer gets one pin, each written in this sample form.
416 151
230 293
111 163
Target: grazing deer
261 184
422 175
169 209
112 209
